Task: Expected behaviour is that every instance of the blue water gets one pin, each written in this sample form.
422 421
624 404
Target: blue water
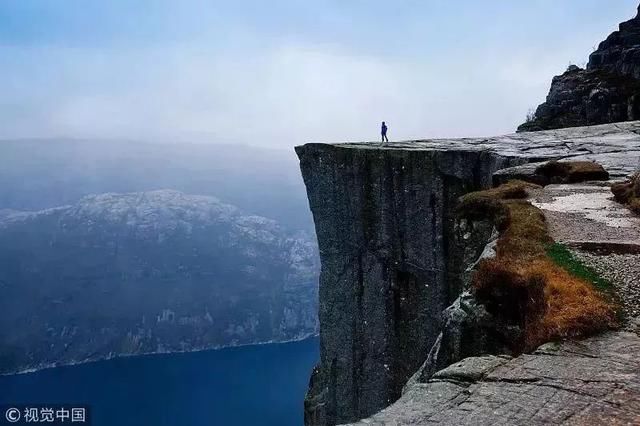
251 385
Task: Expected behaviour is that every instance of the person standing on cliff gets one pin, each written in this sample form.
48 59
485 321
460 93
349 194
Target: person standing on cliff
384 133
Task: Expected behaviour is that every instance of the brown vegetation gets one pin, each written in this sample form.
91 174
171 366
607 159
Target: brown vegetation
628 192
488 203
574 307
571 171
522 286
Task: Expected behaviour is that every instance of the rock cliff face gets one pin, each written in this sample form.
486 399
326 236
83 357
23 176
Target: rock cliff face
607 91
392 261
394 257
620 52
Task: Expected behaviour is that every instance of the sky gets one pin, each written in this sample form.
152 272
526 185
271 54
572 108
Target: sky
280 73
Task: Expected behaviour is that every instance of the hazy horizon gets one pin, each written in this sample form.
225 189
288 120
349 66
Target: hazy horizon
288 72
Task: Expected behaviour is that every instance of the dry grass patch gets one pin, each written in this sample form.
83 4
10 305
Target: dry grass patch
628 192
515 298
526 233
572 171
487 204
522 286
574 307
515 189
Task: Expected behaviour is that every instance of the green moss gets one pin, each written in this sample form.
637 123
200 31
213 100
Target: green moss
562 257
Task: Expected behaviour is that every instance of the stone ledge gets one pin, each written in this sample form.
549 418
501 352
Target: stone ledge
594 381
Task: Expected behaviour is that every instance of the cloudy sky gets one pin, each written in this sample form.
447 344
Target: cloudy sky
284 72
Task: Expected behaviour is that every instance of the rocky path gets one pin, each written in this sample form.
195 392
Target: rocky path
623 271
602 233
586 216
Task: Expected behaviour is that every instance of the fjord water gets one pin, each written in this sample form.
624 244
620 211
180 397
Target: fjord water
250 385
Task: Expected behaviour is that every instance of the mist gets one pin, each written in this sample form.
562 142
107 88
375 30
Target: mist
279 77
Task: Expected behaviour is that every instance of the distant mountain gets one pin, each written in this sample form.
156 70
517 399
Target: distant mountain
607 91
44 173
148 272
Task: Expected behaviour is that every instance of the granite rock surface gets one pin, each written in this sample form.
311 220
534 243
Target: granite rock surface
592 382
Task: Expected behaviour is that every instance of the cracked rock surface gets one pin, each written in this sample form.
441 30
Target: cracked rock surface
592 382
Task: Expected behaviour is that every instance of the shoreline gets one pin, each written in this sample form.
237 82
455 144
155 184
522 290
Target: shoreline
149 354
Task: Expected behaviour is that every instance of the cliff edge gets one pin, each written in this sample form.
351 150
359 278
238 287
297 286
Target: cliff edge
396 259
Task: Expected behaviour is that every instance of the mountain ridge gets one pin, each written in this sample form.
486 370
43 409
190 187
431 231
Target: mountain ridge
147 272
607 91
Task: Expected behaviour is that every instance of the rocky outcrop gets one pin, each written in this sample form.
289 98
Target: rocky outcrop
607 91
596 381
395 256
468 329
392 262
620 52
584 97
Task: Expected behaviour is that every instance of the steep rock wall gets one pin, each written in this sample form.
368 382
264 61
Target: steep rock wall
607 91
393 259
620 52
